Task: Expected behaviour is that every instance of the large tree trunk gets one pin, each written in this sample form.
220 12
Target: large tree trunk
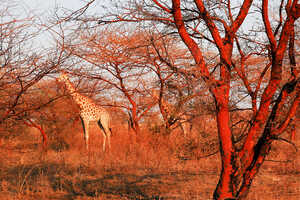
226 186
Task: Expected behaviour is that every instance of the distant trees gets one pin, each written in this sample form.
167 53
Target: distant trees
23 65
268 89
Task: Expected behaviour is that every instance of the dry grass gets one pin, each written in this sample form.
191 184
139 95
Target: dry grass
149 166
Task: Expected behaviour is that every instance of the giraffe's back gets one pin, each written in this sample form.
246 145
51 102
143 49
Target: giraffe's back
94 112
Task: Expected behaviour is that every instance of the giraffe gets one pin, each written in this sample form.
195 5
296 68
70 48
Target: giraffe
172 115
89 111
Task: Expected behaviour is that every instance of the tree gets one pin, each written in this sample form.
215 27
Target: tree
220 26
23 66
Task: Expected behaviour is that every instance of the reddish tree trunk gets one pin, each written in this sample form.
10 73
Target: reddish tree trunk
225 188
30 123
135 122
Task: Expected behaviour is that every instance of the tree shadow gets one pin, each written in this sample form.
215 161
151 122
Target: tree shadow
127 186
73 182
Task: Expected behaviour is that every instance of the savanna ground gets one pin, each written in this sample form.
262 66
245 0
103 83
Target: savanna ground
150 166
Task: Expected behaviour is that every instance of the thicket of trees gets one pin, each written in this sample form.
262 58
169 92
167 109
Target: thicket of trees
219 58
24 72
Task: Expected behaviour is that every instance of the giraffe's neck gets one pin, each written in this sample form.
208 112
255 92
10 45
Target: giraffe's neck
70 86
165 105
78 98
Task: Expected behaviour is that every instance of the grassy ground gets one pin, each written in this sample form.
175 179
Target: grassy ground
147 167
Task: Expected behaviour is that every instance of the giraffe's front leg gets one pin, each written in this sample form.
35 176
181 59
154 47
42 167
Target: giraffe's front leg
108 138
104 134
85 126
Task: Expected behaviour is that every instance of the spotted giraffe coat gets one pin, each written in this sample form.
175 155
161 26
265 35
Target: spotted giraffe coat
89 111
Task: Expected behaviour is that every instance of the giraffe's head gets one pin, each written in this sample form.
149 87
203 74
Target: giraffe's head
63 77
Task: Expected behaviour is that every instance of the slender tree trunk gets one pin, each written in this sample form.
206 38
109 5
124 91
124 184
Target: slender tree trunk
30 123
135 122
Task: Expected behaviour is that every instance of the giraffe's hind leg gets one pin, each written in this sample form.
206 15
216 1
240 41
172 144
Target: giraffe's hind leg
104 134
85 132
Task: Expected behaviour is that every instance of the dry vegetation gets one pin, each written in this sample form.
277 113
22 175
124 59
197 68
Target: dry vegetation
248 79
149 166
